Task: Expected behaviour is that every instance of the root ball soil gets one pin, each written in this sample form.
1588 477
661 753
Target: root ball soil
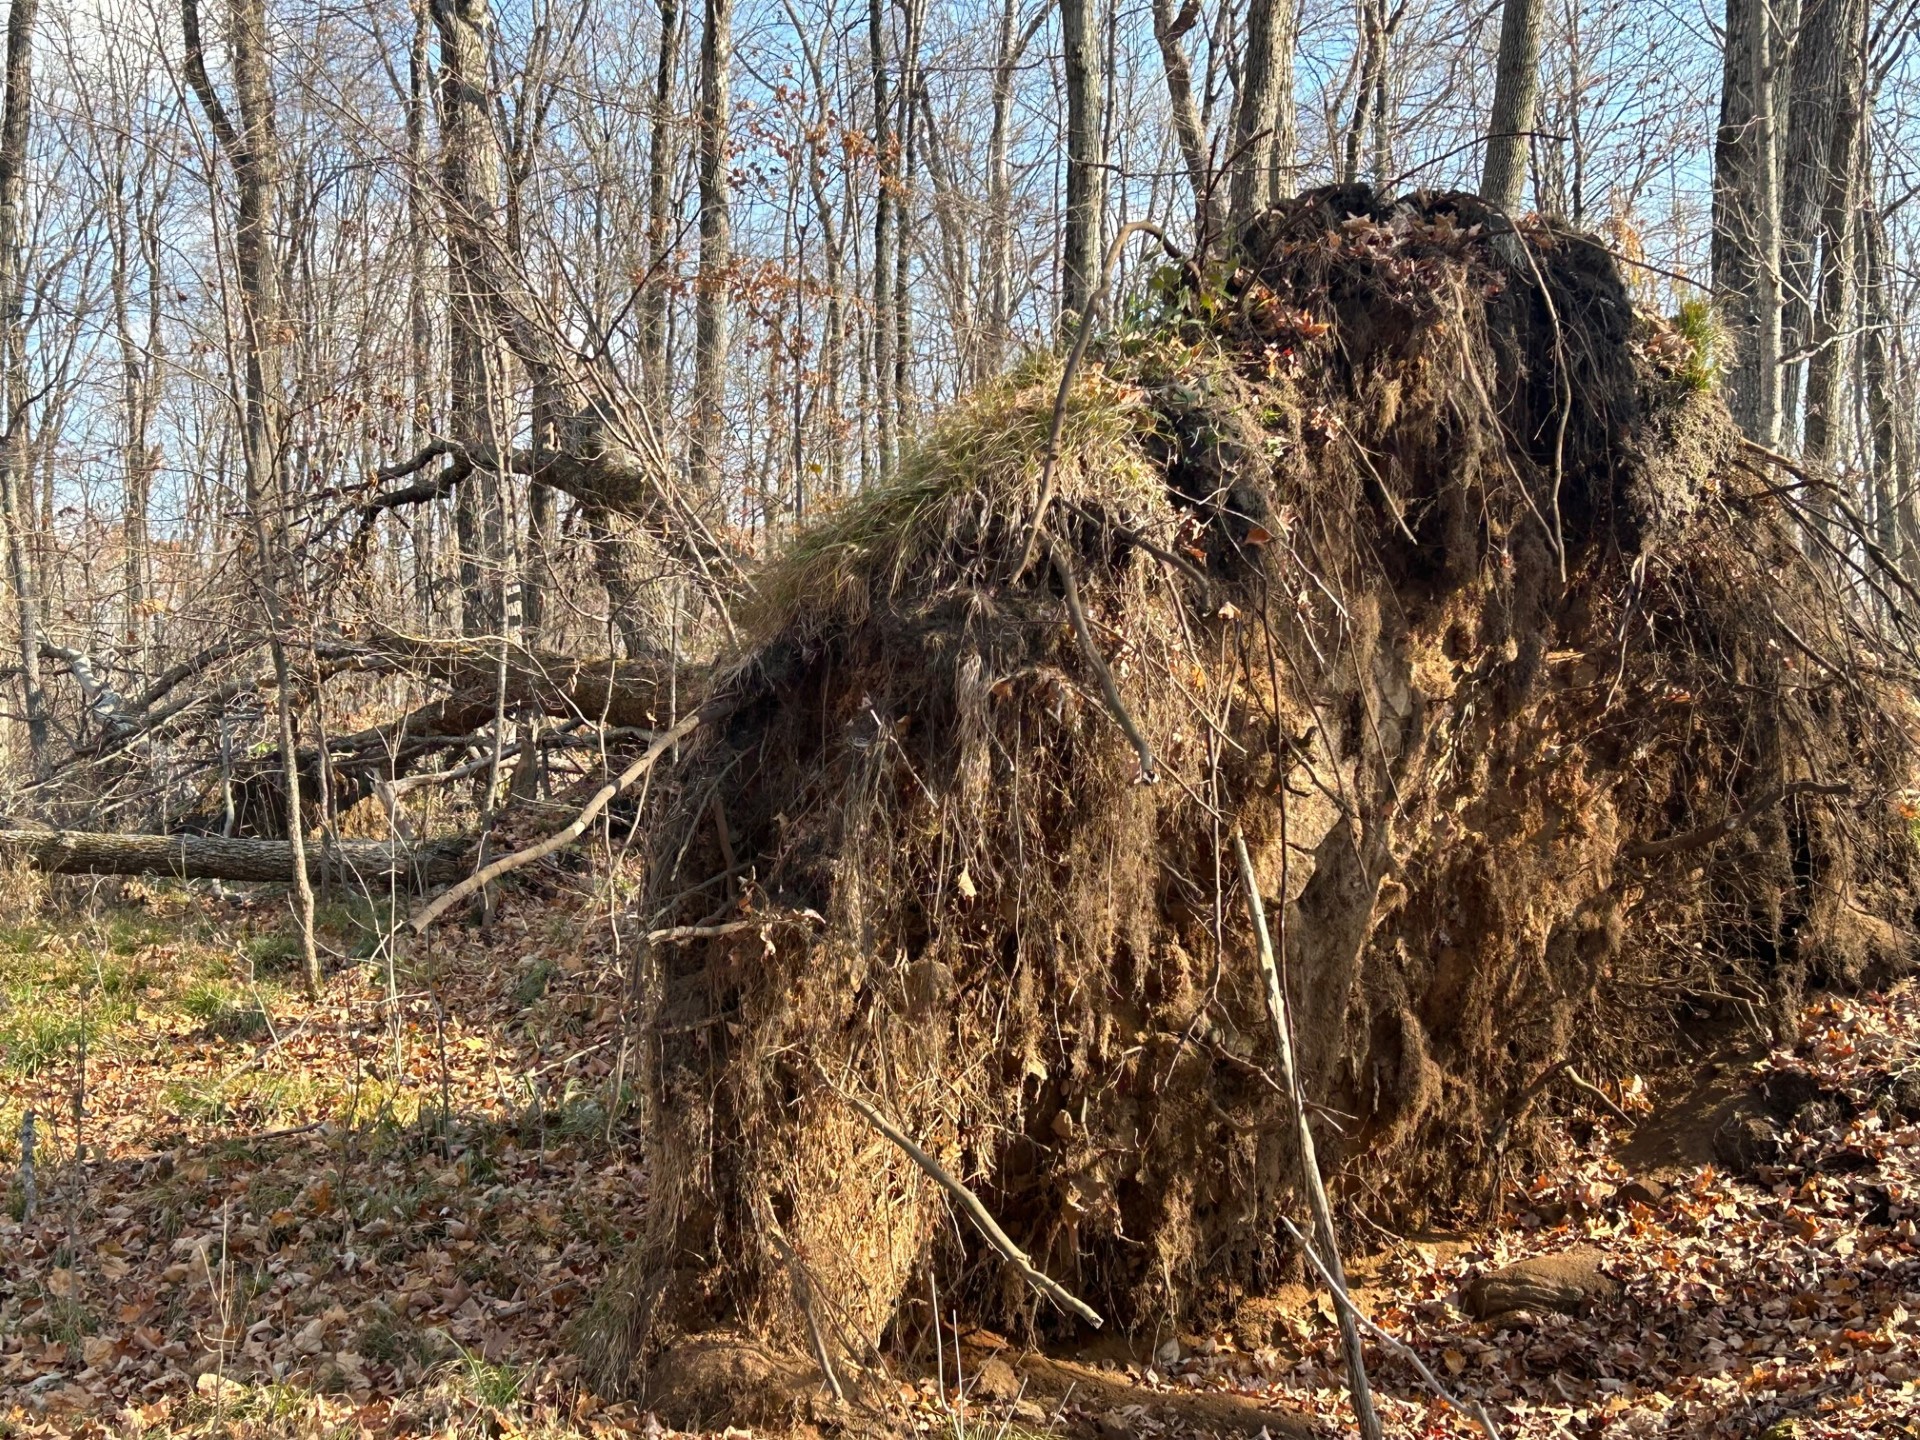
1415 553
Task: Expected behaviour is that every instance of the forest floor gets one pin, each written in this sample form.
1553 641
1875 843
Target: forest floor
374 1215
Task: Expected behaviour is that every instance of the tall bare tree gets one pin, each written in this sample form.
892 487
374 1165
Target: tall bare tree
716 252
15 123
1819 323
1746 218
1263 139
251 147
1169 32
1516 93
470 182
1085 200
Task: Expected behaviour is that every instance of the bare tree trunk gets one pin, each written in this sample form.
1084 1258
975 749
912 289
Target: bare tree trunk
882 330
130 235
660 155
1369 59
716 255
1516 93
1746 215
1886 455
470 168
252 150
1012 45
1816 96
420 327
1263 117
908 125
1837 239
833 344
14 124
208 857
1086 172
1169 32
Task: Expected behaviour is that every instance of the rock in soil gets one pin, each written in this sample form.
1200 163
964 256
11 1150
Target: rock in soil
1571 1283
996 1382
1747 1141
1642 1190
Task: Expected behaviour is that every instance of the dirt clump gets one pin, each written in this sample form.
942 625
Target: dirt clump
1434 573
1570 1283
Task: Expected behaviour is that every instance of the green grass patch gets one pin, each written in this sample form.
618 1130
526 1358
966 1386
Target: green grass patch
1699 325
42 1030
222 1012
255 1096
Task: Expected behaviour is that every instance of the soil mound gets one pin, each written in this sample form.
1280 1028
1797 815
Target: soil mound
1416 555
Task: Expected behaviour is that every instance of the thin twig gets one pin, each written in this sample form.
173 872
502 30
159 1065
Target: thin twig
1707 834
1108 690
976 1212
1392 1342
432 911
1595 1093
1362 1393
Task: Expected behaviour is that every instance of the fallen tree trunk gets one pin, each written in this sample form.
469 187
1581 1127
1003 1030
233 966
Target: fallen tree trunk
632 693
213 857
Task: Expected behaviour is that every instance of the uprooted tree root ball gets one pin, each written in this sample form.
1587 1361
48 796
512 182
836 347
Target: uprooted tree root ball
1416 555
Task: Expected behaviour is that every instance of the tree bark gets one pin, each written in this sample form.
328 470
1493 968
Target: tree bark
212 857
1169 33
1813 100
1837 238
1516 93
15 121
1263 117
1369 60
252 150
420 323
1086 171
660 159
716 255
1746 221
470 175
886 159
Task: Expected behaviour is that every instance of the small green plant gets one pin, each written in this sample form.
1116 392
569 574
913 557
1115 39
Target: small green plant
248 1094
35 1035
274 952
221 1013
494 1387
1698 324
532 985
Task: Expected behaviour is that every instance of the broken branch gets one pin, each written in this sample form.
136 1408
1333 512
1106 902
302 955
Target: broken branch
1309 1163
1707 834
976 1212
1392 1342
487 874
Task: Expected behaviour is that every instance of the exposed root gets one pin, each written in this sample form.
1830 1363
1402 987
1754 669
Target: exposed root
1493 618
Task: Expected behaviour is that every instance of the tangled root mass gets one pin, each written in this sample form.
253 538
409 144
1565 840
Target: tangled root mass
1417 557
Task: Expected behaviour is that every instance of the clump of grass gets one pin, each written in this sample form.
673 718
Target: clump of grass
974 476
274 952
1699 325
221 1013
492 1387
248 1094
35 1032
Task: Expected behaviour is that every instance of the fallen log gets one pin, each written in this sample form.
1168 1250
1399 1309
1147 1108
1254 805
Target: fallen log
630 693
213 857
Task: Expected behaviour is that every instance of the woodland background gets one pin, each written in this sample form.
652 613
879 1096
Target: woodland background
355 336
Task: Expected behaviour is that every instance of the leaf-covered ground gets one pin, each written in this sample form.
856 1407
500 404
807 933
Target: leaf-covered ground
376 1212
374 1215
